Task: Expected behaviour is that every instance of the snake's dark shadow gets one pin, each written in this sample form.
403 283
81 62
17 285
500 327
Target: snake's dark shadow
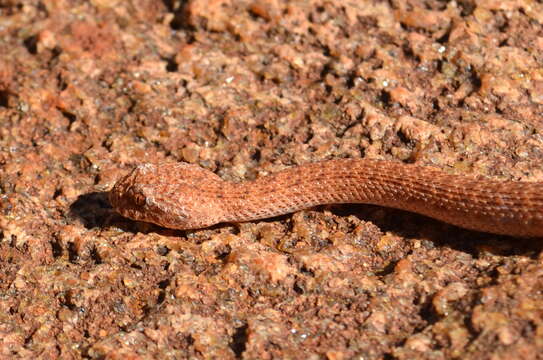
408 225
94 210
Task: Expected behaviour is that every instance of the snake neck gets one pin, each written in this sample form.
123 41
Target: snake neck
296 188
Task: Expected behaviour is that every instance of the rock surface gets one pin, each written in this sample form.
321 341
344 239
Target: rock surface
89 89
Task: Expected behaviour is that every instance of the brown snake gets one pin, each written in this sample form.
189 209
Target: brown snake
186 196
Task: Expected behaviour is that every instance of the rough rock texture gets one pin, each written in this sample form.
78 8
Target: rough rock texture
89 89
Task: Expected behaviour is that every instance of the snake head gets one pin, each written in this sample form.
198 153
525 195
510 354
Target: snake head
173 195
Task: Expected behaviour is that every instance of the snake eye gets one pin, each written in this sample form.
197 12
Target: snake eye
139 200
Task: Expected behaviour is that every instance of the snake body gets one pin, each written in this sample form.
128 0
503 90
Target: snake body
186 196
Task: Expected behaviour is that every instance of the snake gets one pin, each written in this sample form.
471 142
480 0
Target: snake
186 196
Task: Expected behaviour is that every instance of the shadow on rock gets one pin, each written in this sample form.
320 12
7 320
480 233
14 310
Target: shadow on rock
93 209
